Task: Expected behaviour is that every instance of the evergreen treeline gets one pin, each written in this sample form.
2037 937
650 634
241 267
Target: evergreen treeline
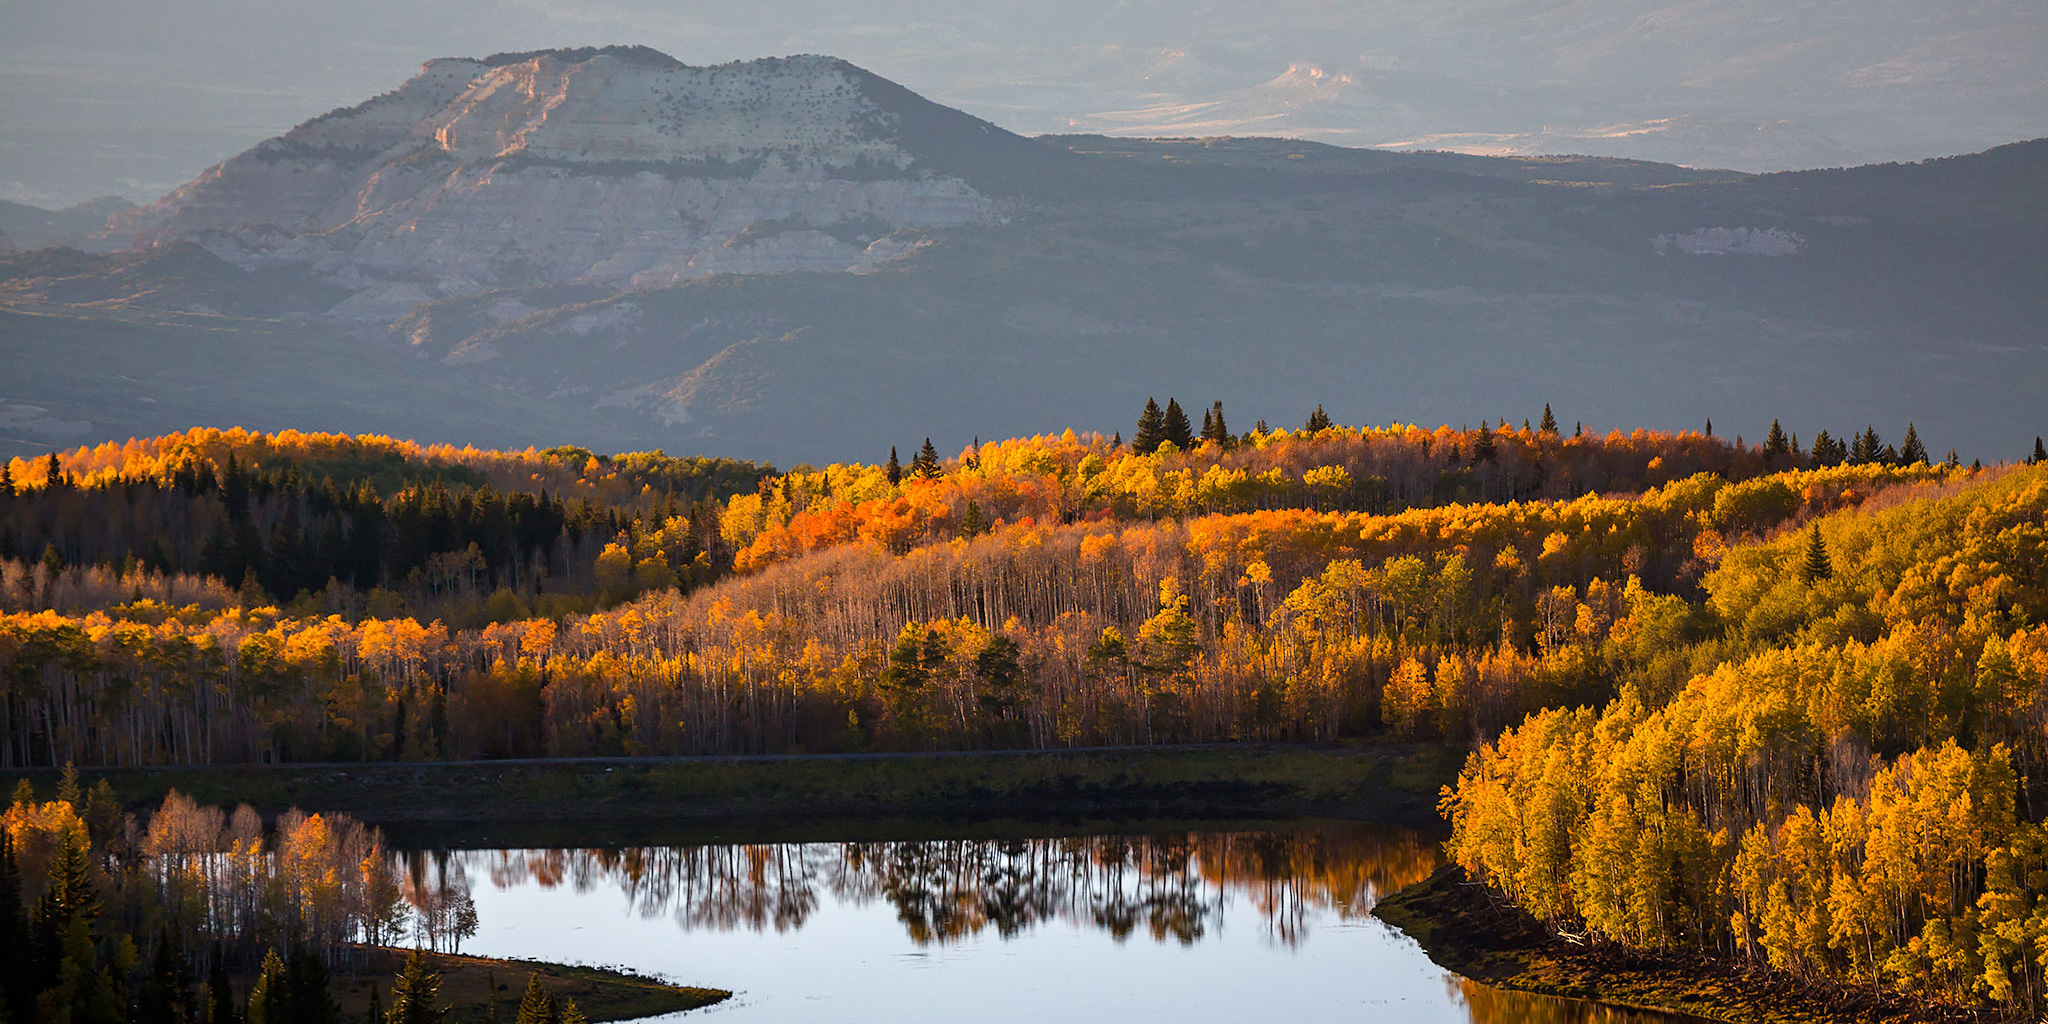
436 546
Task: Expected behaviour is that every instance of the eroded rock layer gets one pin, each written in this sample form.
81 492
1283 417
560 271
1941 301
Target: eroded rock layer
618 165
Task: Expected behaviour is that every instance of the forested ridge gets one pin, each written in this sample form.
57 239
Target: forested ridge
1058 590
1770 700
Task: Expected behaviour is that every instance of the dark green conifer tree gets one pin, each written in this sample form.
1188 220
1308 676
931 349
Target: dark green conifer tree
17 948
1549 424
1317 421
1827 451
415 993
1213 427
270 998
1776 445
973 523
307 999
2040 454
893 469
1483 449
220 995
1911 451
1151 429
1866 449
1178 431
166 989
536 1006
926 465
1817 565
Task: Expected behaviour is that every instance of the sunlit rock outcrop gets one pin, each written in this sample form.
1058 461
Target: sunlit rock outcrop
620 166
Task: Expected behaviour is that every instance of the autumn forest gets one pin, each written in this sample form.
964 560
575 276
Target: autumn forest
1769 700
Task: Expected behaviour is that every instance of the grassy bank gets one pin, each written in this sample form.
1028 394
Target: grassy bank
1468 930
473 985
1392 783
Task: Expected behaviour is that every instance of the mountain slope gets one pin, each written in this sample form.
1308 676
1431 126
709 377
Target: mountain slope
561 231
618 165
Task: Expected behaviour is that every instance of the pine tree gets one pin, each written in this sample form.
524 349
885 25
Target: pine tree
1549 424
70 898
1953 461
973 522
1866 449
1178 431
17 952
1776 445
894 470
1317 421
1483 449
270 996
1213 427
1911 451
6 479
414 994
1578 428
926 465
220 995
571 1014
1817 566
164 996
307 999
2040 454
536 1006
1710 428
1828 451
1151 429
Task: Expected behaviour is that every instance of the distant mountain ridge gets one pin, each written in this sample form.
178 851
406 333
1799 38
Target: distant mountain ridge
614 164
794 259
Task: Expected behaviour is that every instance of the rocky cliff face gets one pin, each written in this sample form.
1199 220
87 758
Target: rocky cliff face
619 165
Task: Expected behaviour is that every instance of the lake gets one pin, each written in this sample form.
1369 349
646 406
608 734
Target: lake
1145 923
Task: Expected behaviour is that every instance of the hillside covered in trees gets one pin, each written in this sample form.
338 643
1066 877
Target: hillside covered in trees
1777 701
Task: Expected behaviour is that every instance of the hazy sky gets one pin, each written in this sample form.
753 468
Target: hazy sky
135 96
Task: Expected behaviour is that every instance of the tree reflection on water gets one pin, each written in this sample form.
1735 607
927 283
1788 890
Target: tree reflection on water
1489 1005
1173 886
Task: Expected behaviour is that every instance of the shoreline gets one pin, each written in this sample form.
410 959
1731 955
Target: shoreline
602 993
1386 782
1468 930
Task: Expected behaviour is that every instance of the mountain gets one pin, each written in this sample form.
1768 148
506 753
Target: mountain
116 96
795 259
29 227
617 165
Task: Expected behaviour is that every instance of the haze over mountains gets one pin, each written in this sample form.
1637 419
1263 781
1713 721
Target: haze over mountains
133 98
798 260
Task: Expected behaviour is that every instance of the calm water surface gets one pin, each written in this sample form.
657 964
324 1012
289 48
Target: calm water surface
1272 923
